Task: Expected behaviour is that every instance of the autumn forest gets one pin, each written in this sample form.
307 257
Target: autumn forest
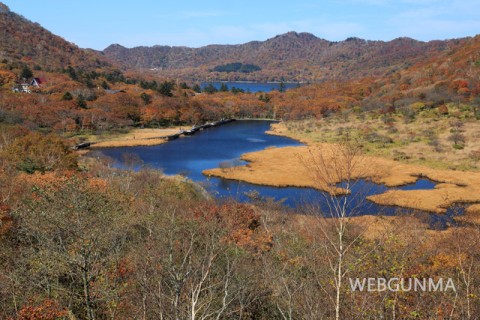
83 239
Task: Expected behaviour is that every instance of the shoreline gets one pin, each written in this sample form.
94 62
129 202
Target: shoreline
250 81
128 143
279 167
136 138
288 167
151 136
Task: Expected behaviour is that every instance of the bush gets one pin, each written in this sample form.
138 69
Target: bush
374 137
37 152
408 115
392 130
435 143
399 155
475 155
443 110
417 106
10 117
457 138
67 96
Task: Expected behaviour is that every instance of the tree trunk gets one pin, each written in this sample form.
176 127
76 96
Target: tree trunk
86 291
339 273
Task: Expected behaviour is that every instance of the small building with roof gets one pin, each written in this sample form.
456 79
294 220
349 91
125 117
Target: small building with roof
26 87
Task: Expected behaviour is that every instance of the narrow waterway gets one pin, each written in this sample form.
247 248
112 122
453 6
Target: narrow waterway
222 147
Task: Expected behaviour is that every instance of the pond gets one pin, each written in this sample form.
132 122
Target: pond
223 146
252 86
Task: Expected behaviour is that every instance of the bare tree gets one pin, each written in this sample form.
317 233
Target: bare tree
475 106
337 170
185 269
466 247
76 232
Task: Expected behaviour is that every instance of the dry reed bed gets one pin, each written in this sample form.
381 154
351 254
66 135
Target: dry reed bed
128 143
322 166
137 137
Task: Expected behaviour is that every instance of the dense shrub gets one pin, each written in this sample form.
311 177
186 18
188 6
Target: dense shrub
37 152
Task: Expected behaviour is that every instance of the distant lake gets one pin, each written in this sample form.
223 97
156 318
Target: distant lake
214 147
253 86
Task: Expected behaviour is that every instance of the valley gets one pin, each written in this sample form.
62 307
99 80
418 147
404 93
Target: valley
122 197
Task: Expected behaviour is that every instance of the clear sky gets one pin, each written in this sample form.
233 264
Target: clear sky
97 24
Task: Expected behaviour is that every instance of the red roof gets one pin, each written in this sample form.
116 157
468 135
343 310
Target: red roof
39 81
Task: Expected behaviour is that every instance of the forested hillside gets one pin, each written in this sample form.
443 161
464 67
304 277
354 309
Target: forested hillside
23 40
360 74
291 56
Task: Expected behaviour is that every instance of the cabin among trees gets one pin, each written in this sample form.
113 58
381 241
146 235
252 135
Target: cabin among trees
27 87
22 88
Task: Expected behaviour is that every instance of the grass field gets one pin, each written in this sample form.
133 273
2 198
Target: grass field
421 137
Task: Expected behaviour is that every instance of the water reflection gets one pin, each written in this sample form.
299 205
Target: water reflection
222 147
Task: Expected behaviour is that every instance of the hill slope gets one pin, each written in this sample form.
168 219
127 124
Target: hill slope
23 40
291 56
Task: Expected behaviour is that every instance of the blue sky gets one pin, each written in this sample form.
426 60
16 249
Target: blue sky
97 24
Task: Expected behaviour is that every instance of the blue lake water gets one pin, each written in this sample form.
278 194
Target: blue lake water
253 86
223 146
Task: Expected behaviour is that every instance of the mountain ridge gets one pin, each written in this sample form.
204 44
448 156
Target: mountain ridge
292 55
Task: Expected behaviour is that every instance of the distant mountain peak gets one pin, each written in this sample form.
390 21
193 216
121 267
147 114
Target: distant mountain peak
290 34
355 39
114 46
4 8
405 39
294 35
